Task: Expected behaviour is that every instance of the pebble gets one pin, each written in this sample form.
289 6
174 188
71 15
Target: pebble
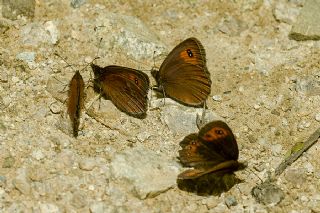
8 162
308 166
276 149
13 9
148 173
231 201
304 125
220 208
98 207
79 199
49 208
51 27
296 176
38 154
285 12
87 164
26 56
307 25
22 184
178 118
3 181
217 98
77 3
37 173
317 117
268 194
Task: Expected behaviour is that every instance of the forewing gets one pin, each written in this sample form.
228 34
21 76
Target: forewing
127 88
184 75
195 154
218 136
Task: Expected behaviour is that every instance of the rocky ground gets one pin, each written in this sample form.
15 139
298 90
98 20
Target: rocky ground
265 85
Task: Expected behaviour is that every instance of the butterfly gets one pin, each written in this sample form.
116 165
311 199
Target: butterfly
213 149
75 101
183 75
127 88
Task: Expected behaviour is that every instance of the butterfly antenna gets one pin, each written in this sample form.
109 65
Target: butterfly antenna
65 61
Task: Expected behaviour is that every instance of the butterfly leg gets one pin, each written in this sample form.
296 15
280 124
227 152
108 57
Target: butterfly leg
87 107
201 121
164 96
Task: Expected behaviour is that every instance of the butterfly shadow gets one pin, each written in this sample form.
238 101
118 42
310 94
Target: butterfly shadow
210 184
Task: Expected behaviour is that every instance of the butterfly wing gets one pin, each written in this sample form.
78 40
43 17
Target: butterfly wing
75 101
218 136
127 88
196 154
184 76
230 165
213 149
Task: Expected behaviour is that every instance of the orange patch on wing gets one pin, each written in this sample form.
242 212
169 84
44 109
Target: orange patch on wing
211 135
191 60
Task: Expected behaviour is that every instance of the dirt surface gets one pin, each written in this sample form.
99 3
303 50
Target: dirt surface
264 85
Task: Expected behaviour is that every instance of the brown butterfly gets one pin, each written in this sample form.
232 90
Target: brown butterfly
75 101
213 149
127 88
183 76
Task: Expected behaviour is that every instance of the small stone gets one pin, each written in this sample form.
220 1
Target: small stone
142 136
211 202
317 117
52 29
303 125
220 208
256 106
307 24
267 193
149 173
18 207
8 162
231 201
21 182
309 167
37 173
26 56
11 9
296 176
276 149
49 208
38 154
87 164
285 12
179 118
77 3
98 207
36 33
79 199
217 97
304 198
3 181
15 79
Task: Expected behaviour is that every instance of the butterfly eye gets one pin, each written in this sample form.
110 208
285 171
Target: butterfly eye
190 54
219 132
